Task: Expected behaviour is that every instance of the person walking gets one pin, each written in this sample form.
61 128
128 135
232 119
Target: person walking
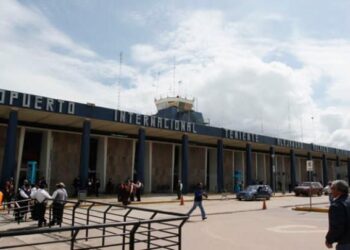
97 186
138 189
76 185
198 198
41 195
23 197
59 200
179 189
339 217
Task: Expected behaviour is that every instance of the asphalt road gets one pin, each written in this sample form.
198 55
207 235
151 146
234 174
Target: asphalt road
233 224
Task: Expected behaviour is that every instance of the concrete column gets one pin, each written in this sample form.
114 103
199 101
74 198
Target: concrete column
348 170
272 167
248 164
206 167
184 163
220 165
140 156
85 154
337 168
293 179
309 174
9 161
19 158
325 170
172 167
101 167
45 157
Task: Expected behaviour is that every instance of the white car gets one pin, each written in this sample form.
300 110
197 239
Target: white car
327 190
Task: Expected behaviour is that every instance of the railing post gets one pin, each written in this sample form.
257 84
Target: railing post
50 216
149 231
104 222
132 236
124 228
88 221
180 232
73 214
74 236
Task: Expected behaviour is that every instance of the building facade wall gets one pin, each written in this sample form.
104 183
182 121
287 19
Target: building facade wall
65 159
254 168
2 144
228 170
119 160
331 171
287 175
161 167
260 168
196 168
239 166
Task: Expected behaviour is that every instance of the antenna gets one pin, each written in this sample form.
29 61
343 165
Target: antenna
289 125
174 69
301 128
119 77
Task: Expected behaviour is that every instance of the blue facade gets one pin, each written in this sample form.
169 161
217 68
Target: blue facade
187 129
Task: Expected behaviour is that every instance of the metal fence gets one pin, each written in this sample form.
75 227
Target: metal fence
90 225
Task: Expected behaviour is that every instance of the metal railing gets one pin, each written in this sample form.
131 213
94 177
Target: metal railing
90 225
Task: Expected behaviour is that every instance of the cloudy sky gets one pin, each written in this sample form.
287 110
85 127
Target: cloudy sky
276 67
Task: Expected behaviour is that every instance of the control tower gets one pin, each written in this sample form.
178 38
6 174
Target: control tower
178 108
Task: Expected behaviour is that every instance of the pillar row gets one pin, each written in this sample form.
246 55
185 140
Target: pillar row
140 156
184 163
248 164
85 154
9 161
293 180
220 165
325 170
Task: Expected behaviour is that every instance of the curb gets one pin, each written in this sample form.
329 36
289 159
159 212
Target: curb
312 209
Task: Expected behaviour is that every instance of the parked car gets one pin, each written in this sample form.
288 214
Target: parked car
254 192
327 190
309 186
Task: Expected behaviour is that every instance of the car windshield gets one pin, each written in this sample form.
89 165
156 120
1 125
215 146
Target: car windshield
252 188
306 184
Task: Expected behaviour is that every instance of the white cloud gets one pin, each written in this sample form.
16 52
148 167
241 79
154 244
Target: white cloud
219 61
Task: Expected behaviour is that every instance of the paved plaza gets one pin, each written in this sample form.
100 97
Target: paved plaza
233 224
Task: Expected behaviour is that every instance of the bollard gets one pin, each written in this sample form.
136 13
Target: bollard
182 202
264 204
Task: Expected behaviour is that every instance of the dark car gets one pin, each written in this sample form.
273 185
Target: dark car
309 187
254 192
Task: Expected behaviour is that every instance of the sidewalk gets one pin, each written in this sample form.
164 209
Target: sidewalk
171 198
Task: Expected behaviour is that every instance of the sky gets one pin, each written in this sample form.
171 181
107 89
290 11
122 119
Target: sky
278 67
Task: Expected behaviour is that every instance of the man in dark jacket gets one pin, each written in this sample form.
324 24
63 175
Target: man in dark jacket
339 216
198 197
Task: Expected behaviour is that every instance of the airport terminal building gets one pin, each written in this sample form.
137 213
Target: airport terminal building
61 140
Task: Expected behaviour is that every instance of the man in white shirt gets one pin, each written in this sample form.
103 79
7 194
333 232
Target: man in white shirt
59 199
41 195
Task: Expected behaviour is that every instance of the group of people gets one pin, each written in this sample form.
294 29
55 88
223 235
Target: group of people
128 191
93 186
34 198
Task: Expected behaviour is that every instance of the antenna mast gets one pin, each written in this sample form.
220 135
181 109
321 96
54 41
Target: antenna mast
173 88
119 77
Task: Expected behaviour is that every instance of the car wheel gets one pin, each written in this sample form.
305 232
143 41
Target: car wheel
268 198
239 199
296 194
319 193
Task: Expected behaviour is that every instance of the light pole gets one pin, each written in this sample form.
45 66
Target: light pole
273 174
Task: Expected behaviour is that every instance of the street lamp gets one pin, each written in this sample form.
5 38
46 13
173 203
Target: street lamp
273 174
